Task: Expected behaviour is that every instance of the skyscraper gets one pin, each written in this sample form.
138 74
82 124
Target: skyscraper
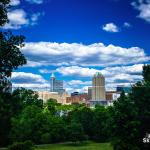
98 87
56 85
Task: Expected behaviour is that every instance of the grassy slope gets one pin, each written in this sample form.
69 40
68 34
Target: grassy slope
88 146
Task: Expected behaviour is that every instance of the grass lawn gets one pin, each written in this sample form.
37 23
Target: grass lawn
84 146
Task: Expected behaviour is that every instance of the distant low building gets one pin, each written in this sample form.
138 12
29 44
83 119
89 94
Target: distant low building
45 95
112 95
80 98
75 93
89 93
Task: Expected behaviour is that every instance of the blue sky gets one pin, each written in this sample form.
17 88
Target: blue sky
76 38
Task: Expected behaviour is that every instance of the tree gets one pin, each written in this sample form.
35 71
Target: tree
124 124
141 97
10 58
100 124
76 132
38 126
146 73
26 98
3 11
83 116
5 115
51 105
10 55
130 116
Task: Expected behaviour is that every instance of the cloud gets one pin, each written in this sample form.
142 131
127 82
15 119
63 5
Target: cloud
29 80
79 82
110 27
143 6
14 2
107 72
35 1
97 54
127 25
35 18
23 77
114 76
77 71
46 71
77 86
124 74
18 18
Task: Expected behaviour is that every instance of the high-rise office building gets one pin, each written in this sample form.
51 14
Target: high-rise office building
56 85
98 87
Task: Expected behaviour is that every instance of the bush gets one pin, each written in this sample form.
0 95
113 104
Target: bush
27 145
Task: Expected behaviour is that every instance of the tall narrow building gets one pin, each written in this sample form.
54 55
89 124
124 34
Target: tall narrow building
52 80
56 85
98 87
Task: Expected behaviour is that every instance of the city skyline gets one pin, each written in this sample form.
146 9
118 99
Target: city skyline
77 38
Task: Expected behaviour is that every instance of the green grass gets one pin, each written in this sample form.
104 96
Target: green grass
84 146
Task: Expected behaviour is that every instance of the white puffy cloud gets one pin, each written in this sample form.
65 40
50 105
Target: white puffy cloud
79 82
29 80
27 77
76 71
97 54
77 86
124 74
110 27
108 71
14 2
143 6
17 19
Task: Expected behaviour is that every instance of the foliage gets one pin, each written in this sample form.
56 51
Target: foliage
10 54
51 105
76 132
10 59
27 98
38 126
3 11
130 116
84 116
27 145
6 112
124 124
100 126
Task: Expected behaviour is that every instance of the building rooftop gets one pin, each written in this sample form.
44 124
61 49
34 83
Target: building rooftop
98 74
52 75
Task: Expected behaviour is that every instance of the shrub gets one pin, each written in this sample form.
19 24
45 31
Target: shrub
27 145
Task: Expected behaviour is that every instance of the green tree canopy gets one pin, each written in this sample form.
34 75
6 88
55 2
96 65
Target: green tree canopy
3 11
130 116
